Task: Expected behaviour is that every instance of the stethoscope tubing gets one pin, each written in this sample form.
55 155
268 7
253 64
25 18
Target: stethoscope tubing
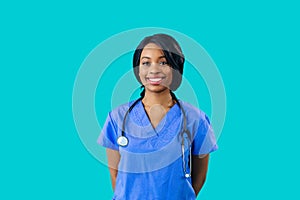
123 140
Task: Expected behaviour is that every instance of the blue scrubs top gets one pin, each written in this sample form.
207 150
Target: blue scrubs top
151 165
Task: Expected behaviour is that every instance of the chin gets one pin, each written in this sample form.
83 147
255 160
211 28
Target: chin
156 89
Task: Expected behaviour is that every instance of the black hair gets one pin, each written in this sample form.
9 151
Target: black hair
172 52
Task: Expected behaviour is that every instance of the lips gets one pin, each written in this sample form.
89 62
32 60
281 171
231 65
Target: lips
154 80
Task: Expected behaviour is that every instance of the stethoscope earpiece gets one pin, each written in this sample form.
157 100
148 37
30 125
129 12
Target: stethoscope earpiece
187 175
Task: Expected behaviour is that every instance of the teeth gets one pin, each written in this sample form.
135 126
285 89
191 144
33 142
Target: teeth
154 79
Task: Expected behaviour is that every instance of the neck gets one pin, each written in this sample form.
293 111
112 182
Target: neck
162 98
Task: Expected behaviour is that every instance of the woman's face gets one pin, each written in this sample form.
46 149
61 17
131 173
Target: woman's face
154 71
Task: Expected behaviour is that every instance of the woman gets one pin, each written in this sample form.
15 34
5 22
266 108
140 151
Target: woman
157 146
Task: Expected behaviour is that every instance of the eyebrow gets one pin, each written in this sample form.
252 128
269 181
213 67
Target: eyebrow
150 58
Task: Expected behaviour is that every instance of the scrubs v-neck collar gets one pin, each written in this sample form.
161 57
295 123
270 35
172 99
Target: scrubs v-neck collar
165 122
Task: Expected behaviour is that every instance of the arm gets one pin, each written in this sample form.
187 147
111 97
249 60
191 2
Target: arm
199 170
113 158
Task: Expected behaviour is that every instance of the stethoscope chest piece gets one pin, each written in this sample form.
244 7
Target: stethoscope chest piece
122 141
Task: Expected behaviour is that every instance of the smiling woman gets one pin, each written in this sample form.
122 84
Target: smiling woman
155 73
154 142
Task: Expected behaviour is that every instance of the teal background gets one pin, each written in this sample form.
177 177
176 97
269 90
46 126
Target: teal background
255 45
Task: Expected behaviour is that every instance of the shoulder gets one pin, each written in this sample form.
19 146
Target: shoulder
120 111
193 112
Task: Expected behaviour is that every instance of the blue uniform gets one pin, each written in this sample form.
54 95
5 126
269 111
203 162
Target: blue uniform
151 165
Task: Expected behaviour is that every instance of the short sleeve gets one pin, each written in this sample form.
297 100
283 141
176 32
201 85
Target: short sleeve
204 141
109 134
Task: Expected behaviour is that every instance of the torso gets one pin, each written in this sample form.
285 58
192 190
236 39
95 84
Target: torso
151 165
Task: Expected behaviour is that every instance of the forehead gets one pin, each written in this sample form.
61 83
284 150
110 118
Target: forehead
152 49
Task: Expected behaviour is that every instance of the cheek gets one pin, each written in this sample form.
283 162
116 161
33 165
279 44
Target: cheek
141 70
142 73
169 72
170 75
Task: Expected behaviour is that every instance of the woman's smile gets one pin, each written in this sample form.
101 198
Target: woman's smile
155 80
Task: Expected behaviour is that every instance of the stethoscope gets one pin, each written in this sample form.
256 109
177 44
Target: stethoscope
123 140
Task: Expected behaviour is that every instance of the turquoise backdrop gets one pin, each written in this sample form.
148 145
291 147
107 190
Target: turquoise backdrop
255 45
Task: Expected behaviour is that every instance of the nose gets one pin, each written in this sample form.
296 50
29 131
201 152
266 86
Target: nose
154 69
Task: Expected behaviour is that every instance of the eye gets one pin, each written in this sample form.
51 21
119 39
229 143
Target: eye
163 63
146 63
